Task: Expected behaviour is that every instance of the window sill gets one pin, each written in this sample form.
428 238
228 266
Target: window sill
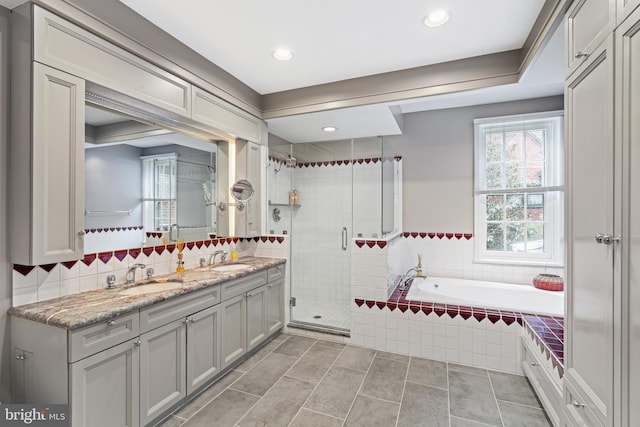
518 262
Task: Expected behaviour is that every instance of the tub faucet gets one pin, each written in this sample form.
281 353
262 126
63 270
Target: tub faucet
131 274
212 258
417 269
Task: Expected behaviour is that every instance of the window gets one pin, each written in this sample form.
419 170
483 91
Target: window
159 190
518 197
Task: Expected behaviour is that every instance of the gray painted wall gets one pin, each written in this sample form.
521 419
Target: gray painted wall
437 153
5 267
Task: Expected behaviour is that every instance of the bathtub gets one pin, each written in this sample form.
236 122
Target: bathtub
492 295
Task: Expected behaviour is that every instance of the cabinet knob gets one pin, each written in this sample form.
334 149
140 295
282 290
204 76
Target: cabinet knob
137 343
20 357
579 55
534 363
577 404
249 294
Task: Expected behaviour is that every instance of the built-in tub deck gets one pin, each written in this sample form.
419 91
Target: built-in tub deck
546 331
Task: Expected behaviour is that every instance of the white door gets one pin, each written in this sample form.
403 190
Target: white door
590 212
105 388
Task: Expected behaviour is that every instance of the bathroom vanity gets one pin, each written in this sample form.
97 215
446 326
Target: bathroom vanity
129 356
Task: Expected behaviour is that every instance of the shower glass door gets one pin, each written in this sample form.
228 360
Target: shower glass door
321 232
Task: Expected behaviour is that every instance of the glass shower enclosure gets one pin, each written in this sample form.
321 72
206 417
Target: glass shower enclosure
345 190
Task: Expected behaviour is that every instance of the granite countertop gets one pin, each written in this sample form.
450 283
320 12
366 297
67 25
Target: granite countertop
85 308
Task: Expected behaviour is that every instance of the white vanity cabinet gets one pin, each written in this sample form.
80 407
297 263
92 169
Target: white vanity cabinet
252 310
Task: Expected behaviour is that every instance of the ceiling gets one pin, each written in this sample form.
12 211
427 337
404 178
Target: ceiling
334 40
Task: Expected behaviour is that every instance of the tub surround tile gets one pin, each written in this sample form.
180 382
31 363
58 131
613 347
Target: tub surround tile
547 332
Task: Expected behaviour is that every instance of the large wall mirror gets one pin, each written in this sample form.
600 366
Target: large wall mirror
145 184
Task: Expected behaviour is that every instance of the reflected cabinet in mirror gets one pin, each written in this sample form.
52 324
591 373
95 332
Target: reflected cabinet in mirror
146 185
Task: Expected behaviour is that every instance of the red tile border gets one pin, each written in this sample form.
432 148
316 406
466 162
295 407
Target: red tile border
23 269
440 235
548 333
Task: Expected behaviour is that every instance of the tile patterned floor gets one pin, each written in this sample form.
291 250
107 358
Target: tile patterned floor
303 382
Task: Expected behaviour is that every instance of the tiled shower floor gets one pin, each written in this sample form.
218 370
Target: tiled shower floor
332 315
303 382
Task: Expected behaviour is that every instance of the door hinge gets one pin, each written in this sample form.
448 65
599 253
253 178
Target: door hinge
292 301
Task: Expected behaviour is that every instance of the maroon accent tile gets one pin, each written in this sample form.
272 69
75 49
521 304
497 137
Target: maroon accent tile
147 250
423 235
160 249
235 239
508 319
458 236
105 257
414 234
264 238
403 307
449 235
359 161
479 314
280 239
468 236
452 310
431 235
359 302
440 235
439 309
135 252
381 244
69 264
207 243
392 306
120 254
171 248
426 309
370 303
332 162
380 304
465 314
414 308
190 245
406 234
47 267
370 243
89 259
359 243
23 269
272 239
199 244
493 316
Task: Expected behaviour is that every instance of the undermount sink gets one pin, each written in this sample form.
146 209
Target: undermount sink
149 288
230 267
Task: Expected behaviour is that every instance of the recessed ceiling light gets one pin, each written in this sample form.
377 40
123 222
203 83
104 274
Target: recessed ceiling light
282 54
436 18
329 128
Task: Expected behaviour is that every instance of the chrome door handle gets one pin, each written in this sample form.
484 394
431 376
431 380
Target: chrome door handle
344 238
606 239
599 238
579 55
577 404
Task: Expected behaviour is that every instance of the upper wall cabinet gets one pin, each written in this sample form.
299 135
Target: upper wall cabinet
625 7
67 47
588 22
219 114
47 155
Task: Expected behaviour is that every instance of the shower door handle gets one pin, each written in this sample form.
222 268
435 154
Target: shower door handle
344 238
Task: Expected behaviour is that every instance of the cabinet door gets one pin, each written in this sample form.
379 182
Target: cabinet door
588 23
203 347
275 306
233 324
256 316
590 324
57 166
162 369
105 388
628 93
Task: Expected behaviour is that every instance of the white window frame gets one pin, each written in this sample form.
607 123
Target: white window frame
552 188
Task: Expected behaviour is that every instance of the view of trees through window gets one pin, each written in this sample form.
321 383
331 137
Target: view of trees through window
515 160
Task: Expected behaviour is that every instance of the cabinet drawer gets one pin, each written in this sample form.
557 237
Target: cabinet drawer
93 339
588 22
544 381
160 314
577 411
275 273
243 284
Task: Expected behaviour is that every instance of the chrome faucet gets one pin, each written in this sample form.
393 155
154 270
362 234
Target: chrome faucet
212 258
417 269
131 274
